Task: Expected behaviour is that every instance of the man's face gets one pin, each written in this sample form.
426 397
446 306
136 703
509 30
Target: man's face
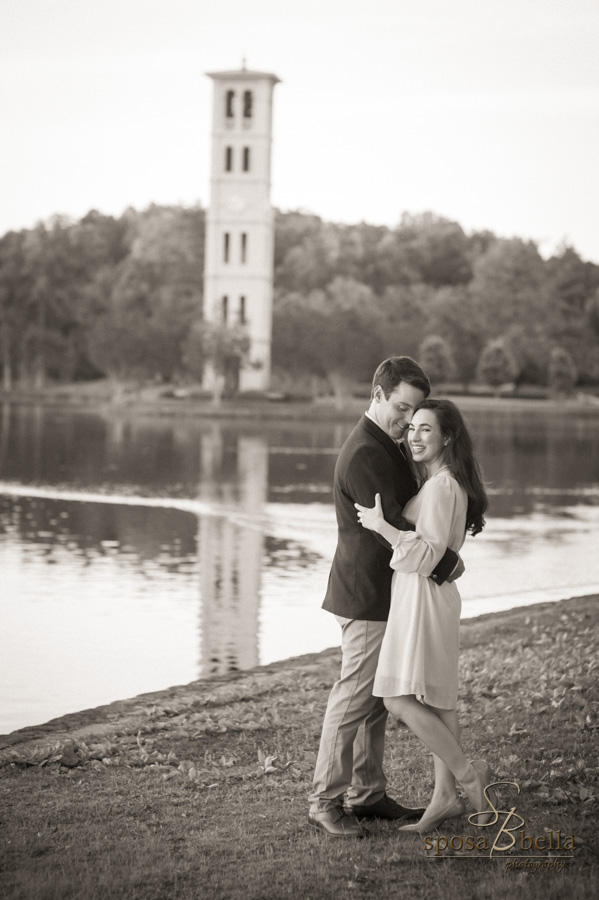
394 413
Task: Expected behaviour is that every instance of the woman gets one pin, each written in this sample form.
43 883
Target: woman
417 672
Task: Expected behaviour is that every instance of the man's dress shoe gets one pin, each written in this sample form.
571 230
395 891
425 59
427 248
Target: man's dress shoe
387 808
335 822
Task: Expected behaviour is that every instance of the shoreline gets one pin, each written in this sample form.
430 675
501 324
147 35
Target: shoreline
151 401
202 790
504 606
123 714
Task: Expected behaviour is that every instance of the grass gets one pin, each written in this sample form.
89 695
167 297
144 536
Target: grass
177 795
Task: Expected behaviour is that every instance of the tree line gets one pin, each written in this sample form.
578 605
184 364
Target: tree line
122 297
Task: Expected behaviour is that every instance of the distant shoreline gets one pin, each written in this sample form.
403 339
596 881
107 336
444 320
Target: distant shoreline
97 398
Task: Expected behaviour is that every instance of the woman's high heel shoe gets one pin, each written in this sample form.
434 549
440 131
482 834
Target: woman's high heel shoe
484 816
457 807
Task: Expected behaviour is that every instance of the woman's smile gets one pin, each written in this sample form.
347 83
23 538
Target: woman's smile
425 438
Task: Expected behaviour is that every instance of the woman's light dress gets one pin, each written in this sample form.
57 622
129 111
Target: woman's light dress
419 653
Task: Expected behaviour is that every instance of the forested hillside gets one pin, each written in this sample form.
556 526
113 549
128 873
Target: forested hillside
122 298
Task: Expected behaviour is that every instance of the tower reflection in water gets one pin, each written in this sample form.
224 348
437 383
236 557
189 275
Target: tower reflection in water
231 547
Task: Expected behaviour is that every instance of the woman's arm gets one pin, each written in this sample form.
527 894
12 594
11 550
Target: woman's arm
418 551
374 520
372 470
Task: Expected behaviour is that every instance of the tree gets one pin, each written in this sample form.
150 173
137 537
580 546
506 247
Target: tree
118 296
513 297
333 334
309 262
403 319
589 366
450 313
437 249
592 315
436 359
15 284
585 346
347 345
497 365
530 347
218 351
573 282
510 288
50 339
296 326
48 281
344 294
119 340
562 371
144 307
291 230
99 241
360 254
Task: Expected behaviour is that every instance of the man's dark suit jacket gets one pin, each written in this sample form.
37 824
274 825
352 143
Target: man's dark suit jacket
369 463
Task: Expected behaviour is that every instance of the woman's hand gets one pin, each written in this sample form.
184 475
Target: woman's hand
372 518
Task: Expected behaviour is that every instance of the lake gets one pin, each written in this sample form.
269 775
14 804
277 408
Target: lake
140 552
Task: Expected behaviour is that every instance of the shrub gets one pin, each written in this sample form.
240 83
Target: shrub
435 358
562 372
497 365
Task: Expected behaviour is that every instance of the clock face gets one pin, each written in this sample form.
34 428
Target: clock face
236 203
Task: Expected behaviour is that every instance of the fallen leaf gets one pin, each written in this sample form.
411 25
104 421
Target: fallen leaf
268 764
515 730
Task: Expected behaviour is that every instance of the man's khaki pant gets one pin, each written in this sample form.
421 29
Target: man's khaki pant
350 758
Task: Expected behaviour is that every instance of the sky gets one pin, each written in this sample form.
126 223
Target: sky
484 112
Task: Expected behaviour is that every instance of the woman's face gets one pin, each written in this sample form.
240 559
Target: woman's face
426 441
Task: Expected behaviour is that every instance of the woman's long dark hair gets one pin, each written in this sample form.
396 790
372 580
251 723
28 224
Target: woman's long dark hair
459 455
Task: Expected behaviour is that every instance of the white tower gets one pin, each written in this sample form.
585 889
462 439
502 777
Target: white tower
240 223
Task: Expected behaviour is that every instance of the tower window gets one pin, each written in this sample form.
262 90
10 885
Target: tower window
247 104
246 159
226 246
242 319
244 246
229 104
225 308
228 159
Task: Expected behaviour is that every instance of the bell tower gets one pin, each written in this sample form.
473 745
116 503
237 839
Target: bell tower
238 279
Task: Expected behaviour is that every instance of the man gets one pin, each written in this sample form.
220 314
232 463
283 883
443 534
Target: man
371 461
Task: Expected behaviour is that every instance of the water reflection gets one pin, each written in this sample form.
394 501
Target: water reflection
529 455
176 548
230 552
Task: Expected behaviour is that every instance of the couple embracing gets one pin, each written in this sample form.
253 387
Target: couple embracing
392 590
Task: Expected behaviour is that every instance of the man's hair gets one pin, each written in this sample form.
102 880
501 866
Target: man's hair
397 369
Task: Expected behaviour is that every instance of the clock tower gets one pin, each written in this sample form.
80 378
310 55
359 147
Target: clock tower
238 279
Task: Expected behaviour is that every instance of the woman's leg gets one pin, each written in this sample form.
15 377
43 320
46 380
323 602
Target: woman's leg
438 730
445 786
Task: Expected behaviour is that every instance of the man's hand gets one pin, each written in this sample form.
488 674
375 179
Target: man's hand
458 570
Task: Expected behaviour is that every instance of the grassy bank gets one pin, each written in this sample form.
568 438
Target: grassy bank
200 791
